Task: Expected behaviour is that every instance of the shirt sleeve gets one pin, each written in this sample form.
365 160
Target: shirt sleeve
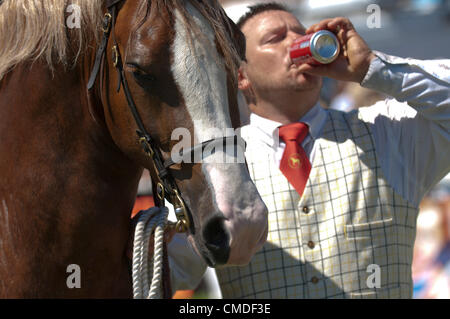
186 267
411 131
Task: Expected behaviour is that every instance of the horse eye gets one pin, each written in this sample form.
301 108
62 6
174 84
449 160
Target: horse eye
141 76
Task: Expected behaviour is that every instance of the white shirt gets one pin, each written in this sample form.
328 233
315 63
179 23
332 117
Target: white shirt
411 134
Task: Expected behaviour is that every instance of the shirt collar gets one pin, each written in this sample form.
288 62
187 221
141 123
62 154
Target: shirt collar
315 118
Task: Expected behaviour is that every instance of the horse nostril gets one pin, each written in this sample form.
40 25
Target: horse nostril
217 239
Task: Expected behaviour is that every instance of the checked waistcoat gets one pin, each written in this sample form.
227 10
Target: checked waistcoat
350 235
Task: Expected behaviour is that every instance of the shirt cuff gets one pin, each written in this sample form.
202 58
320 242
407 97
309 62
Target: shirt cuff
388 73
186 267
384 74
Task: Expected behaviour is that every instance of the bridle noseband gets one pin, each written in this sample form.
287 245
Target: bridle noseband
166 187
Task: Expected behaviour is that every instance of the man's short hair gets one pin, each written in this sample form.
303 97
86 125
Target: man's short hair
258 8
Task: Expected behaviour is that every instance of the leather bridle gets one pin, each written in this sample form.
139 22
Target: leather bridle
166 187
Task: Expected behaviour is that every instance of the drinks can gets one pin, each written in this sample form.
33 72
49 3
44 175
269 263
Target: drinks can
321 47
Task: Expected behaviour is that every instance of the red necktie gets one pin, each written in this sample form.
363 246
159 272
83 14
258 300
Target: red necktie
295 164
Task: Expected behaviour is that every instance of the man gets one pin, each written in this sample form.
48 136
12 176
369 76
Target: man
342 189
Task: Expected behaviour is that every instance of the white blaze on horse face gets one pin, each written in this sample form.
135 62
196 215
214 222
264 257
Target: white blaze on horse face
202 80
200 77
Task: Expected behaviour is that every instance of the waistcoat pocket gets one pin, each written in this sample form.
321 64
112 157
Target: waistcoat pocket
382 293
369 231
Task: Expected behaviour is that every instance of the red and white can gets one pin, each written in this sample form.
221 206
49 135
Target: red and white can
321 47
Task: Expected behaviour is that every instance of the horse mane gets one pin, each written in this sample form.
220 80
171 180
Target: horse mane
34 29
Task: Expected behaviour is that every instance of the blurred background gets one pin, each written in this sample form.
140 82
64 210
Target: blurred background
407 28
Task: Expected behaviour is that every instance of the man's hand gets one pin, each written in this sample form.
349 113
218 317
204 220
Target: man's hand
354 58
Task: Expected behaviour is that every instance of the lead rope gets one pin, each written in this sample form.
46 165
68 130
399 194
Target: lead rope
152 220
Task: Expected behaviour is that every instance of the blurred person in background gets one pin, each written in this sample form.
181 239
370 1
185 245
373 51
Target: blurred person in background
431 263
342 189
431 266
351 95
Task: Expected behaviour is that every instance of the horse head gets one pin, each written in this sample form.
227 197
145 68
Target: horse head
177 67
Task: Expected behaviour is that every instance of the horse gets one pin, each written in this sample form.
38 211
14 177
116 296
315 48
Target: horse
90 93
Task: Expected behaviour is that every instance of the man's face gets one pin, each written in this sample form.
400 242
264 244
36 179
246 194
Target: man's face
269 68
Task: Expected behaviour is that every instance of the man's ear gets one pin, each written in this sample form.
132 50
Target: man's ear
243 81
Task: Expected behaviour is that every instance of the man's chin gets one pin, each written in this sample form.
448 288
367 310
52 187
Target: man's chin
307 82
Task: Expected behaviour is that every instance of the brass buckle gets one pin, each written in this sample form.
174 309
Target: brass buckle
106 27
182 224
160 192
115 55
148 149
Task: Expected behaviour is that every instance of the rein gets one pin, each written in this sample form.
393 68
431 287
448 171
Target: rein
154 220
